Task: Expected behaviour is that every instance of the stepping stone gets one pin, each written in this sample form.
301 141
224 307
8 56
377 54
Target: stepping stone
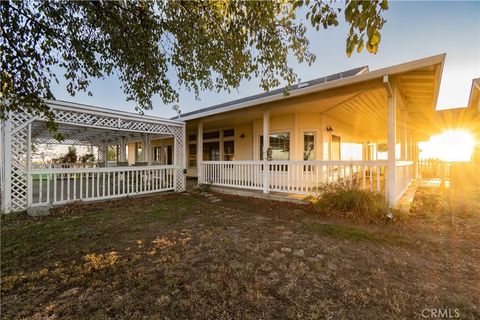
216 200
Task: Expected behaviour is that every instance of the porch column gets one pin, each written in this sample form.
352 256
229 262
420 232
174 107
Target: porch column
403 136
266 146
102 153
200 152
147 141
6 147
122 149
391 142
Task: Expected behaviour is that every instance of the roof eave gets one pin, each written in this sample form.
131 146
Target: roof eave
366 76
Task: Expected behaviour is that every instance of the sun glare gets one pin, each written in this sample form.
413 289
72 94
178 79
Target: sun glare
452 145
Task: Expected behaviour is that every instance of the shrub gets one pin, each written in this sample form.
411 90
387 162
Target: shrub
345 201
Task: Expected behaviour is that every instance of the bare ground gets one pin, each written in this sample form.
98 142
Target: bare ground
182 257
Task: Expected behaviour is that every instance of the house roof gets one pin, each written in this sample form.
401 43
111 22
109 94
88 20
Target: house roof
306 84
346 78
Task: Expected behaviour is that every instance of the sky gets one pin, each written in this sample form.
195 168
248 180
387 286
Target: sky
413 30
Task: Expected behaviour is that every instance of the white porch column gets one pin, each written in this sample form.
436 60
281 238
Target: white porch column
6 149
147 145
391 144
403 136
122 149
102 153
199 151
266 146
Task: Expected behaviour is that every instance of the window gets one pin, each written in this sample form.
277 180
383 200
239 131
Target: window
228 133
279 144
211 135
228 150
192 138
156 154
192 155
164 154
308 146
211 151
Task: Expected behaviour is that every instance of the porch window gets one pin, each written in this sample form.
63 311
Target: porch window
211 151
279 144
228 133
228 150
308 146
211 135
164 154
156 154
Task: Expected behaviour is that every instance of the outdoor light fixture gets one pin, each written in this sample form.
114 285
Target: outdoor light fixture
242 136
329 129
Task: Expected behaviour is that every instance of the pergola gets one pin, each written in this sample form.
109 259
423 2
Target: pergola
24 185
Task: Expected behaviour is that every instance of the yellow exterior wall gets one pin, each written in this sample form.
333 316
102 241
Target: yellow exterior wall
248 147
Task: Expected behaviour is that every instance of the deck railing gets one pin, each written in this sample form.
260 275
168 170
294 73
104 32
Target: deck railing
404 175
59 186
302 177
64 165
434 169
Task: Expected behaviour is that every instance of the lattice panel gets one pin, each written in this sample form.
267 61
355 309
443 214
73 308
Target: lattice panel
179 143
19 181
109 122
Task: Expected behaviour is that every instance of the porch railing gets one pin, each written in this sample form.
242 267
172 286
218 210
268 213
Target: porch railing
434 169
59 186
302 177
63 165
404 175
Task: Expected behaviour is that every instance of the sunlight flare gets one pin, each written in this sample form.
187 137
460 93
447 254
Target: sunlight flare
451 145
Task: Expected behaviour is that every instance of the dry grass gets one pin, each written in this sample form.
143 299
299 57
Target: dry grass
181 257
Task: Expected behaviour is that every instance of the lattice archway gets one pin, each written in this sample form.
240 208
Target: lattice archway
16 140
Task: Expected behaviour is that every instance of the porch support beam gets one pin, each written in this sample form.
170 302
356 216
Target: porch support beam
266 147
6 149
392 139
122 149
147 145
199 151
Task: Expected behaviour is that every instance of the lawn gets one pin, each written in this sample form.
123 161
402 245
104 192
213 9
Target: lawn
183 257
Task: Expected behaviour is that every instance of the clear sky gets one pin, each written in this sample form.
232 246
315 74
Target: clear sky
413 30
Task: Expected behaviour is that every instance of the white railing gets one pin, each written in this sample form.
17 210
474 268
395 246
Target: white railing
302 177
63 165
434 169
59 186
404 175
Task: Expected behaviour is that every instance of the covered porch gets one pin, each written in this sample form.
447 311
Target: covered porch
28 184
361 131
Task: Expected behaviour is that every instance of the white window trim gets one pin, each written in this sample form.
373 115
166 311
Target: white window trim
315 142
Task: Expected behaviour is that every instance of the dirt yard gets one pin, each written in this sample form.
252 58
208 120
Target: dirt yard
183 257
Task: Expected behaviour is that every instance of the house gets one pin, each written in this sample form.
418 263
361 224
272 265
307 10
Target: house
360 128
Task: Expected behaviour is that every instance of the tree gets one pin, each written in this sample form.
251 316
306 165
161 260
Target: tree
157 47
69 157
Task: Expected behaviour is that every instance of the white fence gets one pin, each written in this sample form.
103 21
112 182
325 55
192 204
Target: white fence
434 169
300 177
59 186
